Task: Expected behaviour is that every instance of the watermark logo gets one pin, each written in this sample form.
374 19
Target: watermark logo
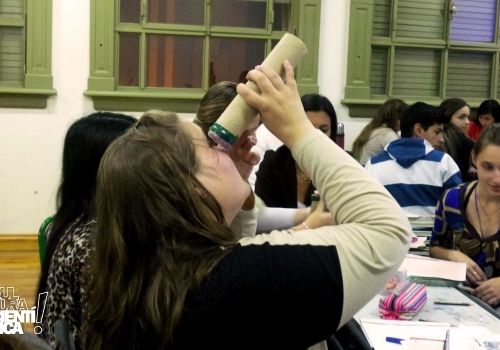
14 311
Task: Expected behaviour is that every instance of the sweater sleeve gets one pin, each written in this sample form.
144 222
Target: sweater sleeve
373 234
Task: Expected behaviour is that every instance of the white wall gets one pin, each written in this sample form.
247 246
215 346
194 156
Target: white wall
31 140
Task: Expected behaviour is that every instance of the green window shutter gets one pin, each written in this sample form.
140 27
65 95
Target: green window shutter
416 72
25 53
359 50
410 52
11 8
378 76
469 74
11 56
381 17
308 30
420 19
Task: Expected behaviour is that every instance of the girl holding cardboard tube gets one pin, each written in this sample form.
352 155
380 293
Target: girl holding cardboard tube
167 271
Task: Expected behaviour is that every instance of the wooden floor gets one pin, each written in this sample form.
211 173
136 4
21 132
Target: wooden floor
20 267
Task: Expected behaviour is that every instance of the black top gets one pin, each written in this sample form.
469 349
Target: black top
266 296
276 182
461 154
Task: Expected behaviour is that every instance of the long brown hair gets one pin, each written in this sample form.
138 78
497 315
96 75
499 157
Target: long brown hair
159 234
388 115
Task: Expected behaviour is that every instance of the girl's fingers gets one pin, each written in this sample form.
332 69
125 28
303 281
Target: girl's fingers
261 77
273 77
289 74
251 97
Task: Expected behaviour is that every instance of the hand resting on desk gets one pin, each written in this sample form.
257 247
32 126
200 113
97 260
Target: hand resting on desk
488 291
475 274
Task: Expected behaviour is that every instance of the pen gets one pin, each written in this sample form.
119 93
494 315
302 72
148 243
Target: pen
394 340
450 303
399 340
427 339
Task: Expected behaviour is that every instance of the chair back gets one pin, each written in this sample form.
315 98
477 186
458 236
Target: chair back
42 236
63 336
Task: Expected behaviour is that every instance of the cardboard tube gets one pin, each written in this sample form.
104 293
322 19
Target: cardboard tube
234 120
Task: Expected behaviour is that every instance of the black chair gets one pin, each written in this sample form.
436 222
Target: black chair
349 337
64 338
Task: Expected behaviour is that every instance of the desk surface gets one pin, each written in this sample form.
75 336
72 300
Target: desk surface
473 315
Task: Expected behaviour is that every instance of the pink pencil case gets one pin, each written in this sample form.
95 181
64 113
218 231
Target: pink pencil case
407 299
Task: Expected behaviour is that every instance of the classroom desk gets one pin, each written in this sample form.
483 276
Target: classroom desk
477 314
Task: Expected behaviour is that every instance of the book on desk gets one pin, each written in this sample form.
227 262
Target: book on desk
422 229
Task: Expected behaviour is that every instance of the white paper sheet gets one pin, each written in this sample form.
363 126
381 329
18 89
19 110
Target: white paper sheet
376 331
416 265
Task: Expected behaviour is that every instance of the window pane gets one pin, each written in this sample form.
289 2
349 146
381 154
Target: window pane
130 11
474 21
231 59
381 17
239 13
423 19
416 72
176 11
469 74
378 75
282 15
174 61
129 59
11 55
11 8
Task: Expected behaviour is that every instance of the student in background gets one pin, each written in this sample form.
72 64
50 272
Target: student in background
381 131
467 224
68 243
169 273
487 114
455 114
266 141
280 180
214 103
413 169
455 111
254 216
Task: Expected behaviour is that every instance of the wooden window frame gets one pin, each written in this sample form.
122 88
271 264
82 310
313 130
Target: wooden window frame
361 102
38 80
102 84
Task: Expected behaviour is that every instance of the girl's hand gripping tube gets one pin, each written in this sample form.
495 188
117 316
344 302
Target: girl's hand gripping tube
234 120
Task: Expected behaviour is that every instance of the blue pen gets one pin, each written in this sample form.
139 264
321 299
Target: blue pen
394 340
